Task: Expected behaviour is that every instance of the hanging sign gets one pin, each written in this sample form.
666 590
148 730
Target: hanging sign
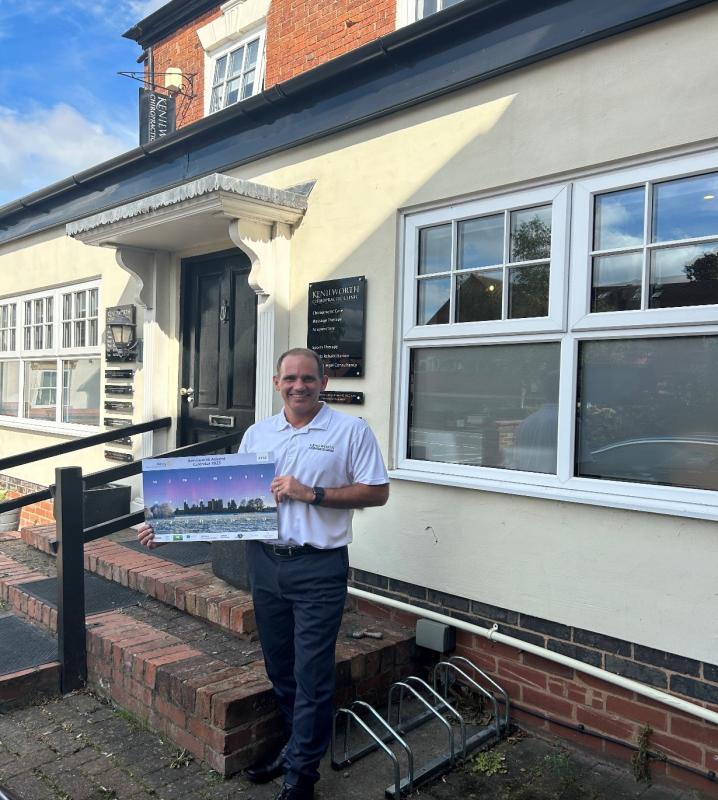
336 325
157 115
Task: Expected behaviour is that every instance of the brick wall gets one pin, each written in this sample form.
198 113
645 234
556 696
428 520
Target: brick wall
302 35
183 49
37 514
569 703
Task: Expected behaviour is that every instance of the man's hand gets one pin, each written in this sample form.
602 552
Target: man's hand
146 536
287 487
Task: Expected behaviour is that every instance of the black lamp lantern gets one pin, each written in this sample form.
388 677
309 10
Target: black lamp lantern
121 343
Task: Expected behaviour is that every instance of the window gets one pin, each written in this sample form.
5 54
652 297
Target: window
235 73
426 7
517 379
37 351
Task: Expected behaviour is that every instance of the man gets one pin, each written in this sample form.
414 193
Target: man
327 464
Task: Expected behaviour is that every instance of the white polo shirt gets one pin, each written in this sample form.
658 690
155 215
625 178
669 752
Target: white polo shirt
332 451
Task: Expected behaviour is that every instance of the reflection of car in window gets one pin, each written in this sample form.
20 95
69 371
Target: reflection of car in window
690 461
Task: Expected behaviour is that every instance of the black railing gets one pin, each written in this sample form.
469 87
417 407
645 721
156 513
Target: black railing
42 453
71 534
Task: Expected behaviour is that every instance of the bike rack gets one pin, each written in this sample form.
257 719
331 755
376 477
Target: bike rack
434 704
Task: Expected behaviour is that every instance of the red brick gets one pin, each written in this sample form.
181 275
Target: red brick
603 723
547 703
677 748
638 712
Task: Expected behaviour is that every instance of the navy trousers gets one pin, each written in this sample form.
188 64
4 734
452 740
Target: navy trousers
299 602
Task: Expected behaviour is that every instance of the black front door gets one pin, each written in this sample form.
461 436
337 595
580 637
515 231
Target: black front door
219 325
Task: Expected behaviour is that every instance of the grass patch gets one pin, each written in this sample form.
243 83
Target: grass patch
489 763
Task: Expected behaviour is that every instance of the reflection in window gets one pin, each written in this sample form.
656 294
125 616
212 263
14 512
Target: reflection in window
493 254
40 390
81 391
647 235
489 406
9 388
646 411
684 276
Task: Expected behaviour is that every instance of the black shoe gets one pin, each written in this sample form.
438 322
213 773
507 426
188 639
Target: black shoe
290 792
267 768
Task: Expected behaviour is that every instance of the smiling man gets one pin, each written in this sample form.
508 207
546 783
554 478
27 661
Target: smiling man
327 464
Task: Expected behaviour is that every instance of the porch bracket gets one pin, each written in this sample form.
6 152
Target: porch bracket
142 265
267 247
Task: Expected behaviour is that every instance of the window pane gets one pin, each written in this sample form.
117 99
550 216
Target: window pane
49 308
481 242
79 334
235 61
92 336
12 339
28 339
531 234
433 304
252 50
685 208
435 249
67 334
616 283
93 302
40 390
491 406
13 315
3 316
232 92
646 411
9 388
426 7
3 341
528 291
220 68
48 336
28 312
81 391
216 101
684 276
37 311
247 84
67 306
80 305
618 219
37 337
478 296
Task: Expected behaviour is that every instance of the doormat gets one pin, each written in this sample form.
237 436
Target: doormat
100 595
24 645
186 554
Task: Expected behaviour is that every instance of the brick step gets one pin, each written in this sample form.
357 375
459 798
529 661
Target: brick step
209 695
195 591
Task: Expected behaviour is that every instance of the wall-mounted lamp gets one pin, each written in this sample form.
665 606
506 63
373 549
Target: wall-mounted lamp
121 343
173 79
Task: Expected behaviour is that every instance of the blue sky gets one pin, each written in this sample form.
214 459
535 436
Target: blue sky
63 107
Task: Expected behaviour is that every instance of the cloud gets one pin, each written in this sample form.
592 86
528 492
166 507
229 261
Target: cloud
43 145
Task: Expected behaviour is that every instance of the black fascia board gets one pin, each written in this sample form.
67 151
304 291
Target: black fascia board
479 40
167 19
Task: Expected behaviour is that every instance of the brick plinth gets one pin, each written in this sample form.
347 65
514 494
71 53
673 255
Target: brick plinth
26 685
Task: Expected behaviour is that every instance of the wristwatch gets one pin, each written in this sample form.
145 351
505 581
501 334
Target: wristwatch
318 495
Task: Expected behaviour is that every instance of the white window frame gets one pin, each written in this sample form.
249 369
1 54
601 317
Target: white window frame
210 58
570 322
56 354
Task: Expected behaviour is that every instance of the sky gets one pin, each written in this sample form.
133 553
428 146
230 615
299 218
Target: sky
175 486
63 107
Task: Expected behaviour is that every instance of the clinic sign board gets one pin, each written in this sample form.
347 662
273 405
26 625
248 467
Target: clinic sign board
157 115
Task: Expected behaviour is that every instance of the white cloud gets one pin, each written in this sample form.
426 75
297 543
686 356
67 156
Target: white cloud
41 145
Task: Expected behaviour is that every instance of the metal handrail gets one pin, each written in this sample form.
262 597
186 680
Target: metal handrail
79 444
52 450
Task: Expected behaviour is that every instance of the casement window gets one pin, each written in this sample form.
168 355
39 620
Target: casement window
235 73
563 342
50 365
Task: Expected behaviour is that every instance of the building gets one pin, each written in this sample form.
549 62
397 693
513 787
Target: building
530 191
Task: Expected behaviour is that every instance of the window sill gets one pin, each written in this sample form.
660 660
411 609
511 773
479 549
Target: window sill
616 495
55 428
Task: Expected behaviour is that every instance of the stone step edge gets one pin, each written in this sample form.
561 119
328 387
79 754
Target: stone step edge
194 591
24 686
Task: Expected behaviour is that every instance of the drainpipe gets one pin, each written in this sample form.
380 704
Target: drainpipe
493 635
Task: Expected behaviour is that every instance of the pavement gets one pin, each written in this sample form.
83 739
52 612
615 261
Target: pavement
79 747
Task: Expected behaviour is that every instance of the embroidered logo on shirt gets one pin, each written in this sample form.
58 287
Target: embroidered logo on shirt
326 448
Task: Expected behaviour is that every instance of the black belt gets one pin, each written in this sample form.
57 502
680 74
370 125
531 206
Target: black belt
287 551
